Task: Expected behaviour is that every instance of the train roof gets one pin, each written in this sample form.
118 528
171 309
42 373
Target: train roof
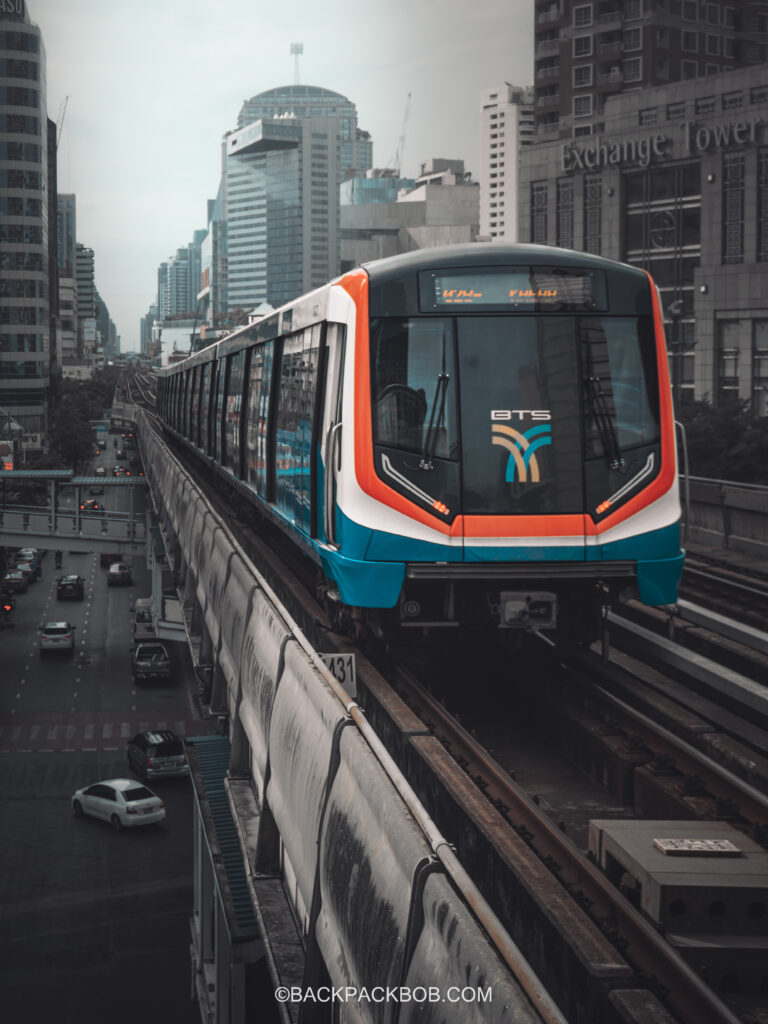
489 254
402 271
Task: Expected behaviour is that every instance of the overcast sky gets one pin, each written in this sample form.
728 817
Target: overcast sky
153 85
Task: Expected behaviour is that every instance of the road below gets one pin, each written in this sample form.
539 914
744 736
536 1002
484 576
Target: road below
95 923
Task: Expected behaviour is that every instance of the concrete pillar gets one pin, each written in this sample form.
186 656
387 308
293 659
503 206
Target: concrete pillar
206 644
189 588
240 757
219 691
197 623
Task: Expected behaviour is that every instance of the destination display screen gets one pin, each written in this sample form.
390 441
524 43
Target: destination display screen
520 289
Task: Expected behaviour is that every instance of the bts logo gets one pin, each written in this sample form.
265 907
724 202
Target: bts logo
520 414
522 464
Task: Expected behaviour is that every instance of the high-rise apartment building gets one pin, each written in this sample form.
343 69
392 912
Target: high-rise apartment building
178 284
86 281
506 125
67 337
25 310
282 169
586 52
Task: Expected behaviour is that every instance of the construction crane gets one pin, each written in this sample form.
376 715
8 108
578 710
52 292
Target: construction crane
60 120
401 141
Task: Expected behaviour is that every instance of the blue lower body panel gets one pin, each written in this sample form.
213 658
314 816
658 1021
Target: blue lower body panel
364 584
658 580
374 576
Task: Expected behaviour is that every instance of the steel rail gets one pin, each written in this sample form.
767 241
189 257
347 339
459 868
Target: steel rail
645 949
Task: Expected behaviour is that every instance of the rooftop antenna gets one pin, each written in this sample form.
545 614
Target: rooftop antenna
296 50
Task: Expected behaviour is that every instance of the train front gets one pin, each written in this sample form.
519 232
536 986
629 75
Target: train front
514 439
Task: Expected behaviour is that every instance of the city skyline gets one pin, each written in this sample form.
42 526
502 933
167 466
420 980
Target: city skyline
144 158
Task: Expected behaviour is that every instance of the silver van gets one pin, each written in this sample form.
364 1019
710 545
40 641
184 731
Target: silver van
143 626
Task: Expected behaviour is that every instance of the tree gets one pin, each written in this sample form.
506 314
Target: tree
77 403
726 442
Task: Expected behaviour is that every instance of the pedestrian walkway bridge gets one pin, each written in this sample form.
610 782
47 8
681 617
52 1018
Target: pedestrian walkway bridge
64 525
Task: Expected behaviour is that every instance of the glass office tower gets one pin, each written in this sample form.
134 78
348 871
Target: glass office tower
282 170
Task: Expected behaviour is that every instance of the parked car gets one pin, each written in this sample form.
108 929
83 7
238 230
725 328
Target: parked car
159 754
16 582
56 636
89 505
118 575
150 660
70 586
124 803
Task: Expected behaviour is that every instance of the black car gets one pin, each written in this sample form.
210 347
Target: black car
158 754
90 506
70 586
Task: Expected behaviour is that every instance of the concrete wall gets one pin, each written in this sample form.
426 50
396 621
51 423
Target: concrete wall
372 902
729 516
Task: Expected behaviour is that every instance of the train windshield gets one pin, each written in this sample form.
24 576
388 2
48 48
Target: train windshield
485 415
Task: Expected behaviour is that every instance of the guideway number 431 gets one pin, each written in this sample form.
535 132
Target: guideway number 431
342 668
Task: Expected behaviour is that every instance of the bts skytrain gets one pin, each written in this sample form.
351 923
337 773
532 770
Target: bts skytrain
466 435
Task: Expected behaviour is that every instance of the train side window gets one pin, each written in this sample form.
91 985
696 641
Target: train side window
257 451
194 404
202 438
187 401
221 376
232 411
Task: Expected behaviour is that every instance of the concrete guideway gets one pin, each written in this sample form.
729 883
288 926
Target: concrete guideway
322 788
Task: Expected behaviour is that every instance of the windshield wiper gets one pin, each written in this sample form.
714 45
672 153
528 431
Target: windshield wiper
435 420
604 423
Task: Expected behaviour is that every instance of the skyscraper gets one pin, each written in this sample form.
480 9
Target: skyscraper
282 169
25 330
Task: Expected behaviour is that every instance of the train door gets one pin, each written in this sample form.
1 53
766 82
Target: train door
329 434
521 437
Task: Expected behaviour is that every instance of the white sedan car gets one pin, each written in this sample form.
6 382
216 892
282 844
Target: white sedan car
124 803
56 636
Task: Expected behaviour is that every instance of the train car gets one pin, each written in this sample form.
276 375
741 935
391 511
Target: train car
465 435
